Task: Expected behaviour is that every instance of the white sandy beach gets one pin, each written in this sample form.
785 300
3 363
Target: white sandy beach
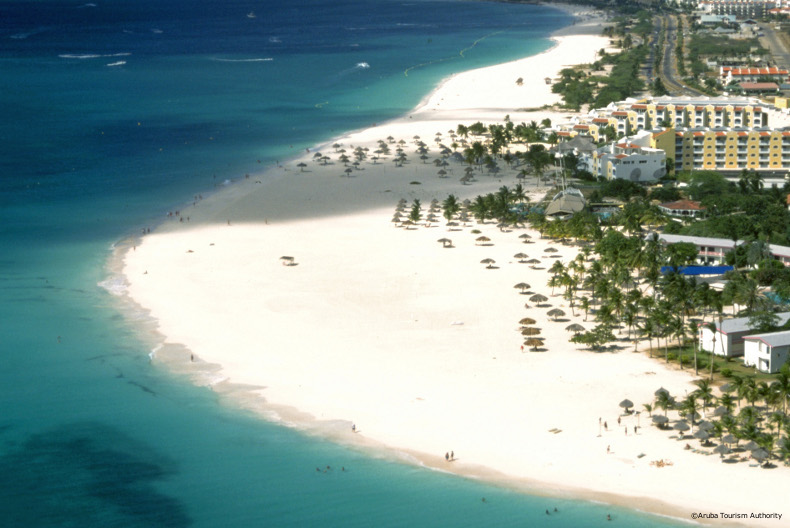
416 344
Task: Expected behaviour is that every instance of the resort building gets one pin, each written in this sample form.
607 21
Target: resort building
739 8
758 87
729 75
629 116
714 250
728 338
709 250
766 352
566 202
627 161
712 20
723 134
682 209
731 149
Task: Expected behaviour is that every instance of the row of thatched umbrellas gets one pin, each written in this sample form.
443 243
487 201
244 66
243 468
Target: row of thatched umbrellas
705 432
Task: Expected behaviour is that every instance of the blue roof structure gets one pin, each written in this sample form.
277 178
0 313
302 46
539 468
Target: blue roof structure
696 270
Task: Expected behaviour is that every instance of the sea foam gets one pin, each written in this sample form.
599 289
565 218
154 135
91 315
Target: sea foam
263 59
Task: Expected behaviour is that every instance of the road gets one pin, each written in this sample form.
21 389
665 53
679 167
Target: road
772 41
669 74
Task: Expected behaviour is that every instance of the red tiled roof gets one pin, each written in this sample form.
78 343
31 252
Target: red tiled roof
758 71
687 205
758 86
621 156
620 114
600 120
639 107
581 127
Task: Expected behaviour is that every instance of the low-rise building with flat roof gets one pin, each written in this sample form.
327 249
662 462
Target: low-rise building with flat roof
767 352
728 338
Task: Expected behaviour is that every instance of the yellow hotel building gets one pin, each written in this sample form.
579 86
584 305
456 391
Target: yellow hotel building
727 149
728 134
628 117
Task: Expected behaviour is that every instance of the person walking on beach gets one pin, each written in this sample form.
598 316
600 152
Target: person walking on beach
447 456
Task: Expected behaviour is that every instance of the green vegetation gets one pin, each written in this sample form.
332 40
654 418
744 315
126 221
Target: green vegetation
742 211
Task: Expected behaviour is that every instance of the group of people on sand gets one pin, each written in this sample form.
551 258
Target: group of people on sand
449 456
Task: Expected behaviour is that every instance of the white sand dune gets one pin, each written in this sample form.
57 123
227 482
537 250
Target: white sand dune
416 344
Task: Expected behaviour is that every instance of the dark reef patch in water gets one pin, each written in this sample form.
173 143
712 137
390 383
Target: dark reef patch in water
86 474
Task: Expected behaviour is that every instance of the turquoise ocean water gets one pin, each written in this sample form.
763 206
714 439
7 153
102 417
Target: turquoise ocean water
114 112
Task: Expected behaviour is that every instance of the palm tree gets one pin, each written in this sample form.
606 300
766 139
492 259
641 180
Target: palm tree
584 304
738 384
415 215
689 408
782 386
704 392
451 207
664 401
649 329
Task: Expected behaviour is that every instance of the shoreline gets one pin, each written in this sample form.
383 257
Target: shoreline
287 302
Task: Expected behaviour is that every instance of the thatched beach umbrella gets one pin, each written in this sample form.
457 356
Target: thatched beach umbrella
550 250
576 328
287 261
446 242
660 420
751 445
527 321
533 262
722 450
705 426
301 166
482 239
442 173
702 435
530 331
626 404
555 313
523 286
534 342
661 391
760 455
729 439
721 411
680 427
538 298
489 262
521 257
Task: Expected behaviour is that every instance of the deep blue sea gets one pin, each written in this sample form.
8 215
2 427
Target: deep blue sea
116 111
